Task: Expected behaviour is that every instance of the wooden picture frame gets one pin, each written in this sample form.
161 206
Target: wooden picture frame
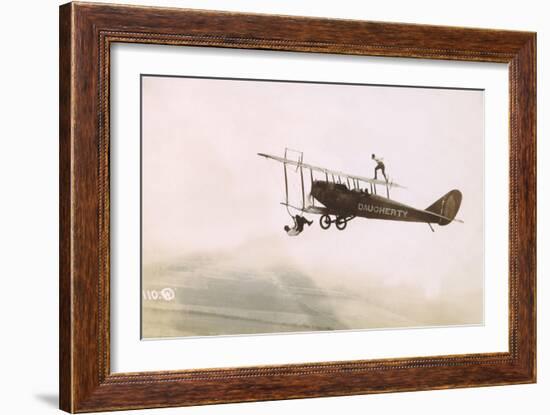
86 33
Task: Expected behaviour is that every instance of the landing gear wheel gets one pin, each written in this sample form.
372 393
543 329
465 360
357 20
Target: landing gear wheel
325 221
341 223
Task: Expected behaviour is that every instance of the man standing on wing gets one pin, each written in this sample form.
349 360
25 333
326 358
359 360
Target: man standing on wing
379 166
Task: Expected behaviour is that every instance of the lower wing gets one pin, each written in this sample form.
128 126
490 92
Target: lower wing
317 210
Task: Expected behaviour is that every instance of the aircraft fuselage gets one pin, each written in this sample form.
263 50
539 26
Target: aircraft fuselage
341 201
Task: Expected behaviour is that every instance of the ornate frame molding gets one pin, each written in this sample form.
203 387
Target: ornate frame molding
86 33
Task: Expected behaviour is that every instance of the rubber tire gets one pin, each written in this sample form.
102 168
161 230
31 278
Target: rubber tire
341 223
323 222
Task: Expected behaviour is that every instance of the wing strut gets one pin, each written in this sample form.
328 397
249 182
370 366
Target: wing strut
302 179
286 181
310 196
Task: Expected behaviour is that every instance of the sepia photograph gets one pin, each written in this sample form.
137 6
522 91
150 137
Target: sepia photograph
285 206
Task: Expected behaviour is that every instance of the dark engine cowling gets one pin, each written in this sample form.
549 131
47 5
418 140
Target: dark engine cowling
335 196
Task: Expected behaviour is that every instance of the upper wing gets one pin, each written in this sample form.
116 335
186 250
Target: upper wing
327 171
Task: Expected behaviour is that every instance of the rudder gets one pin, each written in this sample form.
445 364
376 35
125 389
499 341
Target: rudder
447 206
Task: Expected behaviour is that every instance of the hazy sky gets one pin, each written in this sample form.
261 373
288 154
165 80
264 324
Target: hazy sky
206 190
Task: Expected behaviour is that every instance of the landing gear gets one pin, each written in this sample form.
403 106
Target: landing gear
325 221
341 223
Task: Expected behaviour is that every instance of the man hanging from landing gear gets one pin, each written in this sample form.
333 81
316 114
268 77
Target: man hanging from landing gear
299 222
379 166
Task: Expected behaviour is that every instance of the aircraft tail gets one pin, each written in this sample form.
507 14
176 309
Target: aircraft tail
447 206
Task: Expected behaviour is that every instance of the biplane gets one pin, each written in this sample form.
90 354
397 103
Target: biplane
340 197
